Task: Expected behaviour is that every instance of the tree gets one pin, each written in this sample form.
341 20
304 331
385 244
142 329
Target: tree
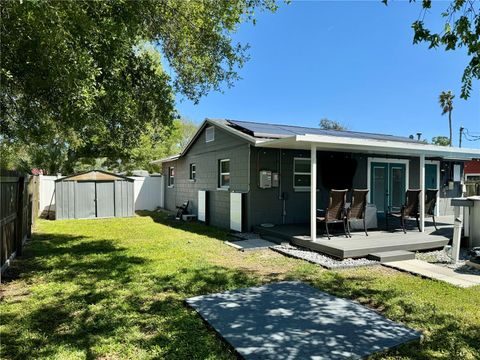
53 157
188 129
446 103
87 77
326 124
155 147
441 140
461 29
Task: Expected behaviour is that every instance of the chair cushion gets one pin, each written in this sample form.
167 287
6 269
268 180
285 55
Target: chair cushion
395 214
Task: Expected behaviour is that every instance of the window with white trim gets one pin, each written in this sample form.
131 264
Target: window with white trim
171 176
224 173
209 134
193 172
301 173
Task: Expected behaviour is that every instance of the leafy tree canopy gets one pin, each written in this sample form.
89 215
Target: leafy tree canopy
327 124
86 78
441 140
461 29
53 157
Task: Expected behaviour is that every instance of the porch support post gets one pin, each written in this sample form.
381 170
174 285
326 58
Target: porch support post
313 193
422 194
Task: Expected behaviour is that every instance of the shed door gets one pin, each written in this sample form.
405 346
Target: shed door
85 200
105 199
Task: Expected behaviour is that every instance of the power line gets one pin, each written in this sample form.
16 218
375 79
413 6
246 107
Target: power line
469 136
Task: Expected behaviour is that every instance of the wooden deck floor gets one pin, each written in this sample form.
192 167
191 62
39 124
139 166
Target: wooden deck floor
360 245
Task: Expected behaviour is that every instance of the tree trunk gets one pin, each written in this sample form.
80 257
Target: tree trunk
450 125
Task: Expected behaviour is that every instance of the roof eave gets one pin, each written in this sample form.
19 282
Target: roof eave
163 160
335 143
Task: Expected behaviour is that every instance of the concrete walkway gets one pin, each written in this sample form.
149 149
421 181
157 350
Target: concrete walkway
292 320
437 272
250 244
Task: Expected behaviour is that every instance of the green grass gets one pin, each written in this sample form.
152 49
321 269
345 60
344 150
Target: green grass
114 289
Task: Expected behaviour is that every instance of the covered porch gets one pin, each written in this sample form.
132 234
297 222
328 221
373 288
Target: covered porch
391 159
360 245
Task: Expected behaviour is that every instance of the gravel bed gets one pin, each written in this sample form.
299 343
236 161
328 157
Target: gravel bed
440 257
320 259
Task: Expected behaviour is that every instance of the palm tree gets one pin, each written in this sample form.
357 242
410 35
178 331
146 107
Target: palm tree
446 103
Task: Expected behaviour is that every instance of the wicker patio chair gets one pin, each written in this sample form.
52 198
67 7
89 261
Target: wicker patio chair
407 211
430 203
335 212
357 208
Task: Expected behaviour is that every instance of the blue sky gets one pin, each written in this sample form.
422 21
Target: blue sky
353 62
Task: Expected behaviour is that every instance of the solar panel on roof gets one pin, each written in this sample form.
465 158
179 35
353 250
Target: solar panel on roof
276 131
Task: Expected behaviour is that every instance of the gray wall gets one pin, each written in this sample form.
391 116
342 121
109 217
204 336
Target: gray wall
266 205
206 157
446 195
297 204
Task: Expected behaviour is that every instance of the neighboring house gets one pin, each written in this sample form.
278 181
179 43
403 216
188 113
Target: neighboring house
472 177
472 170
270 166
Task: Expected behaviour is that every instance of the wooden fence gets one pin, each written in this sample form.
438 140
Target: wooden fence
18 210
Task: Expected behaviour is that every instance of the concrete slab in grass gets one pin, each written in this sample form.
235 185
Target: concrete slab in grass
250 244
436 272
292 320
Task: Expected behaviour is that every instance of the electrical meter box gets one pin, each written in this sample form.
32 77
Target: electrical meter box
275 180
265 179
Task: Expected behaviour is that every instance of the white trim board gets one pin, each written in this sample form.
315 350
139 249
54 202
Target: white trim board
347 144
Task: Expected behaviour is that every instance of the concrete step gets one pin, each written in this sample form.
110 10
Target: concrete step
388 256
275 240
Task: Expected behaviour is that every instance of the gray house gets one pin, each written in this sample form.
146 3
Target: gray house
238 174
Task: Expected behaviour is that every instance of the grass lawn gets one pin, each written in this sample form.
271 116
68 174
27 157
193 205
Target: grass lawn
114 289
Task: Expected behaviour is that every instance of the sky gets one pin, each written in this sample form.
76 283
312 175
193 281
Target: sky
352 62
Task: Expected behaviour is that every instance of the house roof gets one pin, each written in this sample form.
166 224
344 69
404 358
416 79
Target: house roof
279 131
93 175
299 137
166 159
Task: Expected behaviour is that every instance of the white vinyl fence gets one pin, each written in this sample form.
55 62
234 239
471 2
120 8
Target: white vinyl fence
46 190
148 193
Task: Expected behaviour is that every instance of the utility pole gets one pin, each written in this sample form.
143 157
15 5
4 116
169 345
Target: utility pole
460 140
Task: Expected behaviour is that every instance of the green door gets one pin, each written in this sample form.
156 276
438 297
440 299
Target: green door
397 188
388 185
379 185
431 176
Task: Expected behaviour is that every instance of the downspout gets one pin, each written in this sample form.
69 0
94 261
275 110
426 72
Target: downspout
249 179
248 168
281 195
258 168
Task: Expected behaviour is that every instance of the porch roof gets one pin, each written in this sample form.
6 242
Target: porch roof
369 146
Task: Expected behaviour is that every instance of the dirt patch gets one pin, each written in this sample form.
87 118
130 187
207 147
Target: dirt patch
265 263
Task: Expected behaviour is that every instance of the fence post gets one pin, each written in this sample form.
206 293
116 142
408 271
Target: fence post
457 234
19 219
